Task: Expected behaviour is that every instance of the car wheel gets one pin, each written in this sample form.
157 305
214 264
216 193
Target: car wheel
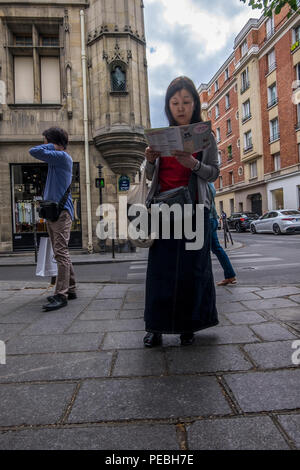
238 227
253 229
276 229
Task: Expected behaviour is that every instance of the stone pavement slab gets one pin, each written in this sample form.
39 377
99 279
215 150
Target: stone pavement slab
107 325
54 343
225 335
206 359
272 332
141 362
271 355
117 437
245 318
266 304
148 398
8 331
278 292
52 367
34 404
251 433
266 391
291 424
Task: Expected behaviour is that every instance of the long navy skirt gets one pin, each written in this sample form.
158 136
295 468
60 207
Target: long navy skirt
180 290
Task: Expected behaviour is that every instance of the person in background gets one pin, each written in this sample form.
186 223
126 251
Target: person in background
216 248
59 178
180 290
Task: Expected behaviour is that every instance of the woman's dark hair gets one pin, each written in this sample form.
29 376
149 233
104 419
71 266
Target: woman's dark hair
56 135
177 85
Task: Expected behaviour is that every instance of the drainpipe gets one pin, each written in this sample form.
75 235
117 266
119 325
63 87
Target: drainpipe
86 136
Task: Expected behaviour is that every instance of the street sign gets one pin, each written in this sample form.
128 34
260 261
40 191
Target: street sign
124 183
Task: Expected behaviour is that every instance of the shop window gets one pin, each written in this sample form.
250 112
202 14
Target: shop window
28 182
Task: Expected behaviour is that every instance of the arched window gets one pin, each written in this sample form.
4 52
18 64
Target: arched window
118 78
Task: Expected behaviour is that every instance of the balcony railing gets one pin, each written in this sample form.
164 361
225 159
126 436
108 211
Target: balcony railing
271 67
270 34
248 148
272 102
274 136
245 86
246 118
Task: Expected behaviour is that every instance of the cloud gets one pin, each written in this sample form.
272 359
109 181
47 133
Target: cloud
188 37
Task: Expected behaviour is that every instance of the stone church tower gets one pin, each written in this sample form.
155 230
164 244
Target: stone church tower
42 84
118 81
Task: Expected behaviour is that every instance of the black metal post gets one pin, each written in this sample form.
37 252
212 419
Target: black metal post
102 244
34 231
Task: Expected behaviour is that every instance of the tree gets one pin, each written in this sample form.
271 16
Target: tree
270 6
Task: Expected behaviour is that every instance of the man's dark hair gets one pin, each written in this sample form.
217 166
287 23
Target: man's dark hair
56 135
179 84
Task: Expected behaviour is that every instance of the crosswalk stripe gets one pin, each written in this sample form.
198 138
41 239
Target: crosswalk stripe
136 275
141 266
255 260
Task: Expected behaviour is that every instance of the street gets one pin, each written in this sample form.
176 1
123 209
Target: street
263 258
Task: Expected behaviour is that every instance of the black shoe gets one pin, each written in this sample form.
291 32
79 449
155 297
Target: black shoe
187 339
152 339
71 296
56 302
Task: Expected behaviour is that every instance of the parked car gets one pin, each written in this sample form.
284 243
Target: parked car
277 222
241 221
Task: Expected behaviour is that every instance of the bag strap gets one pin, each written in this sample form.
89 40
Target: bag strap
63 200
193 180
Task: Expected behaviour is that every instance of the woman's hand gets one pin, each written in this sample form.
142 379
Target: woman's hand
186 159
151 155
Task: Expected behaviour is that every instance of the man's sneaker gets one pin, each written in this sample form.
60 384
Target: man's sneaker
58 301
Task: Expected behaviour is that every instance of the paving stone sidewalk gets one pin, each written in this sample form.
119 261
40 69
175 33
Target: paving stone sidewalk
80 378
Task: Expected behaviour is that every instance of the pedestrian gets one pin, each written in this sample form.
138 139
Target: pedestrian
57 189
180 291
216 248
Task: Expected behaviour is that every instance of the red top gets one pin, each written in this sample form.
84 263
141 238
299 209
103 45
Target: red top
172 174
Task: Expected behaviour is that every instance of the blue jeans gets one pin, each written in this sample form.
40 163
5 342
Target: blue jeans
219 252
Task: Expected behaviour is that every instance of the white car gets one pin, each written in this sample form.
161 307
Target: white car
277 222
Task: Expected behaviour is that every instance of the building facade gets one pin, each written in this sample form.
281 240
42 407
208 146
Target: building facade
263 73
79 65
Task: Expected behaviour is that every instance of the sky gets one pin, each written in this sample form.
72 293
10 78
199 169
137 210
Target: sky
189 37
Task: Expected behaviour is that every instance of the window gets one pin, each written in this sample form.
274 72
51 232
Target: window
246 110
23 40
245 80
35 81
298 71
226 74
248 141
272 95
218 132
244 48
50 80
217 110
253 169
271 61
296 34
219 158
298 117
229 129
231 178
24 83
299 154
49 41
227 101
216 85
270 27
231 205
229 150
274 129
221 184
277 163
118 78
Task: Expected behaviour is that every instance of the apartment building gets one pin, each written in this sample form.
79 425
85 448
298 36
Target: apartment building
265 64
42 53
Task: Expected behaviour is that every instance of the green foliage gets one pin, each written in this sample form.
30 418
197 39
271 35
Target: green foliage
273 6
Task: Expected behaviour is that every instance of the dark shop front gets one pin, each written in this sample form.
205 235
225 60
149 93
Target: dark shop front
27 186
